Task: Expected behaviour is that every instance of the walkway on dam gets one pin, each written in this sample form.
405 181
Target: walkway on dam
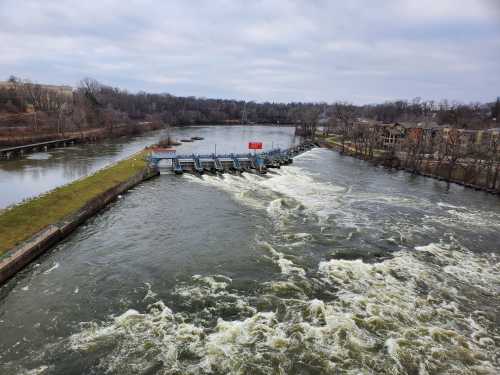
7 153
235 163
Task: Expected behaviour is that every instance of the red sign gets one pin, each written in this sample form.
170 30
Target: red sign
255 145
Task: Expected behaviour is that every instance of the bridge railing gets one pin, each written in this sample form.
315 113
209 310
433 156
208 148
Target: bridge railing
39 144
273 152
258 158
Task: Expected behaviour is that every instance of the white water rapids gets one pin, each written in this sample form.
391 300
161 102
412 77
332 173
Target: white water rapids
426 309
327 266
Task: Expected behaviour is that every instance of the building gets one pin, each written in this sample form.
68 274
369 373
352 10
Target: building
391 135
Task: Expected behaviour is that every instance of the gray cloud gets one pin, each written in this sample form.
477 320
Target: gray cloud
361 50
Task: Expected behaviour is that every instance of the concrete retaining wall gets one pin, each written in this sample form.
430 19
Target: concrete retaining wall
30 249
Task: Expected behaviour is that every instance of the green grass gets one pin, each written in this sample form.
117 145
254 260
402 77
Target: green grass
22 221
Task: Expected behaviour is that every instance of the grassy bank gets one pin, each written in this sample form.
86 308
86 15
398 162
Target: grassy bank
22 221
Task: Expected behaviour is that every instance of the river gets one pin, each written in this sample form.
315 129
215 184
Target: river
327 266
40 172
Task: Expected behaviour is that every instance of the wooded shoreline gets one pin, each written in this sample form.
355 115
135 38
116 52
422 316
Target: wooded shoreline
460 174
93 134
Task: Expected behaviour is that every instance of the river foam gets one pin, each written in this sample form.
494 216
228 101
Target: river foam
398 316
427 308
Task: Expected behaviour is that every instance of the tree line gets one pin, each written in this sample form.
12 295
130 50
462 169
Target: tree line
471 157
455 114
95 105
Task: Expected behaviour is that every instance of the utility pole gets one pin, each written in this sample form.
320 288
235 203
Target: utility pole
244 117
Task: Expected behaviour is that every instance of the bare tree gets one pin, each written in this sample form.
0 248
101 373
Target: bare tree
308 120
60 105
413 145
440 152
34 95
453 151
91 89
344 113
493 155
77 113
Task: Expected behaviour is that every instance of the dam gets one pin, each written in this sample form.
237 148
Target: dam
226 163
328 265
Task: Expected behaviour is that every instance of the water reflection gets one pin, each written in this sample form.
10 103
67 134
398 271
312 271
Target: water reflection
40 172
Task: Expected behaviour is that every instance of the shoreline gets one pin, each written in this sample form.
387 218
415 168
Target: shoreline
30 228
382 162
95 134
84 136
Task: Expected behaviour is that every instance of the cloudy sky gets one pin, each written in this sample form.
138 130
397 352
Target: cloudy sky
362 51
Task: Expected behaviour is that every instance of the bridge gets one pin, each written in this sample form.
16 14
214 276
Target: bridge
232 163
10 152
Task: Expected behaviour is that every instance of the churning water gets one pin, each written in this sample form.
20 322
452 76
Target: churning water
328 266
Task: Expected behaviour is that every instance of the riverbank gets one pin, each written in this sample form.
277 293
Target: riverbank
463 175
31 227
12 137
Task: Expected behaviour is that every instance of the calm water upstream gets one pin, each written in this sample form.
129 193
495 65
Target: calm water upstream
44 171
328 266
